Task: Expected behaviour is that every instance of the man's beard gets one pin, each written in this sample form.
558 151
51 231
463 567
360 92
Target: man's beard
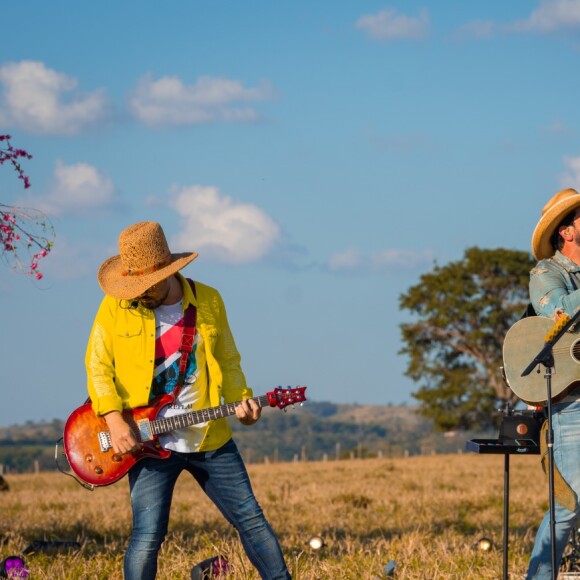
153 303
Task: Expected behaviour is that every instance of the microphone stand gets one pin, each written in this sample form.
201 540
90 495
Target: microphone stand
546 358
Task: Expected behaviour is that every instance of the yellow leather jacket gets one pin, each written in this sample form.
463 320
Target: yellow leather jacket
121 351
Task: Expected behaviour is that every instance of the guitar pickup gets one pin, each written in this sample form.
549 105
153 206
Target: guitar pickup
145 430
105 441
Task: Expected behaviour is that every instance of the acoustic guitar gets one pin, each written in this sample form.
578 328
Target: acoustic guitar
87 440
522 343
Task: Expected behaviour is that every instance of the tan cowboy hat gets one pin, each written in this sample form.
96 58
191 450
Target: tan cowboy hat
144 260
553 213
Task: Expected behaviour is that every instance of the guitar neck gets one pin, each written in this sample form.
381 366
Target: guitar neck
168 424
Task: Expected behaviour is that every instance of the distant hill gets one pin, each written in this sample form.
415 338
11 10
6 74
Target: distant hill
315 431
323 429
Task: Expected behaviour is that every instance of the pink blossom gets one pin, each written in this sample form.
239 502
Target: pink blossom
32 224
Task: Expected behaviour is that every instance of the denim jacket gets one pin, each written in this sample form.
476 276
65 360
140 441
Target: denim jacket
555 286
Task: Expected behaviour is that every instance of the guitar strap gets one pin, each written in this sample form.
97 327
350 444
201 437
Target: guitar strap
187 339
529 311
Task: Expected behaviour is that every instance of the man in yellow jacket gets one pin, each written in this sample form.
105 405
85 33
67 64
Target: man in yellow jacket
134 354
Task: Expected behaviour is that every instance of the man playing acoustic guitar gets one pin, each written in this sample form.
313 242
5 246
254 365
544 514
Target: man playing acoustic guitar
555 290
155 334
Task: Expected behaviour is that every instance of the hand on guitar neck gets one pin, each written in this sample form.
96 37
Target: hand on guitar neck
248 412
122 437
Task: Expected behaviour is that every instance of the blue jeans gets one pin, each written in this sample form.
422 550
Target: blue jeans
566 426
223 477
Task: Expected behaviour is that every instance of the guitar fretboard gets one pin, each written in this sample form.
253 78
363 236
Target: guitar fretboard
168 424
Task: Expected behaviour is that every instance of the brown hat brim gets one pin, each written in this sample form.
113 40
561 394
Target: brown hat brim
541 244
115 283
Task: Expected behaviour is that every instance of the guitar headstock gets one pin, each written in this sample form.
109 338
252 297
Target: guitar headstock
281 398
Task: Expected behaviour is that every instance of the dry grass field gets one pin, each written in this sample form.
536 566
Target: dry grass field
425 512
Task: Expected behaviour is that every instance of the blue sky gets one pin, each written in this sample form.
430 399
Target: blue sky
320 156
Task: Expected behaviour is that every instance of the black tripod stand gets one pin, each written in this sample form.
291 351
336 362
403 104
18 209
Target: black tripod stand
546 357
571 558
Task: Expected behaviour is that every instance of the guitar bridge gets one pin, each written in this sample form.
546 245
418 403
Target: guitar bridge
105 441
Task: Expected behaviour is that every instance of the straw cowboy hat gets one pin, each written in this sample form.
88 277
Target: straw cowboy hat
553 213
144 260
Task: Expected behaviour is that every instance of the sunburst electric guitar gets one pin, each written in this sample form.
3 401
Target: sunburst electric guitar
87 441
523 341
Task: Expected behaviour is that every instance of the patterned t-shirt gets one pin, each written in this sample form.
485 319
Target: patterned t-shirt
169 323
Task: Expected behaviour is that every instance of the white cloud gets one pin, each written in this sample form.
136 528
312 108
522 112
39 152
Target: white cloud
558 127
76 189
350 260
551 15
571 175
168 101
400 259
388 260
391 25
221 227
33 98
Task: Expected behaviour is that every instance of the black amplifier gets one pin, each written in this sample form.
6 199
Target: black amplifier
522 426
519 433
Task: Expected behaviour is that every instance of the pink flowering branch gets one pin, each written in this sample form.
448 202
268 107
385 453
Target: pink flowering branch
23 231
